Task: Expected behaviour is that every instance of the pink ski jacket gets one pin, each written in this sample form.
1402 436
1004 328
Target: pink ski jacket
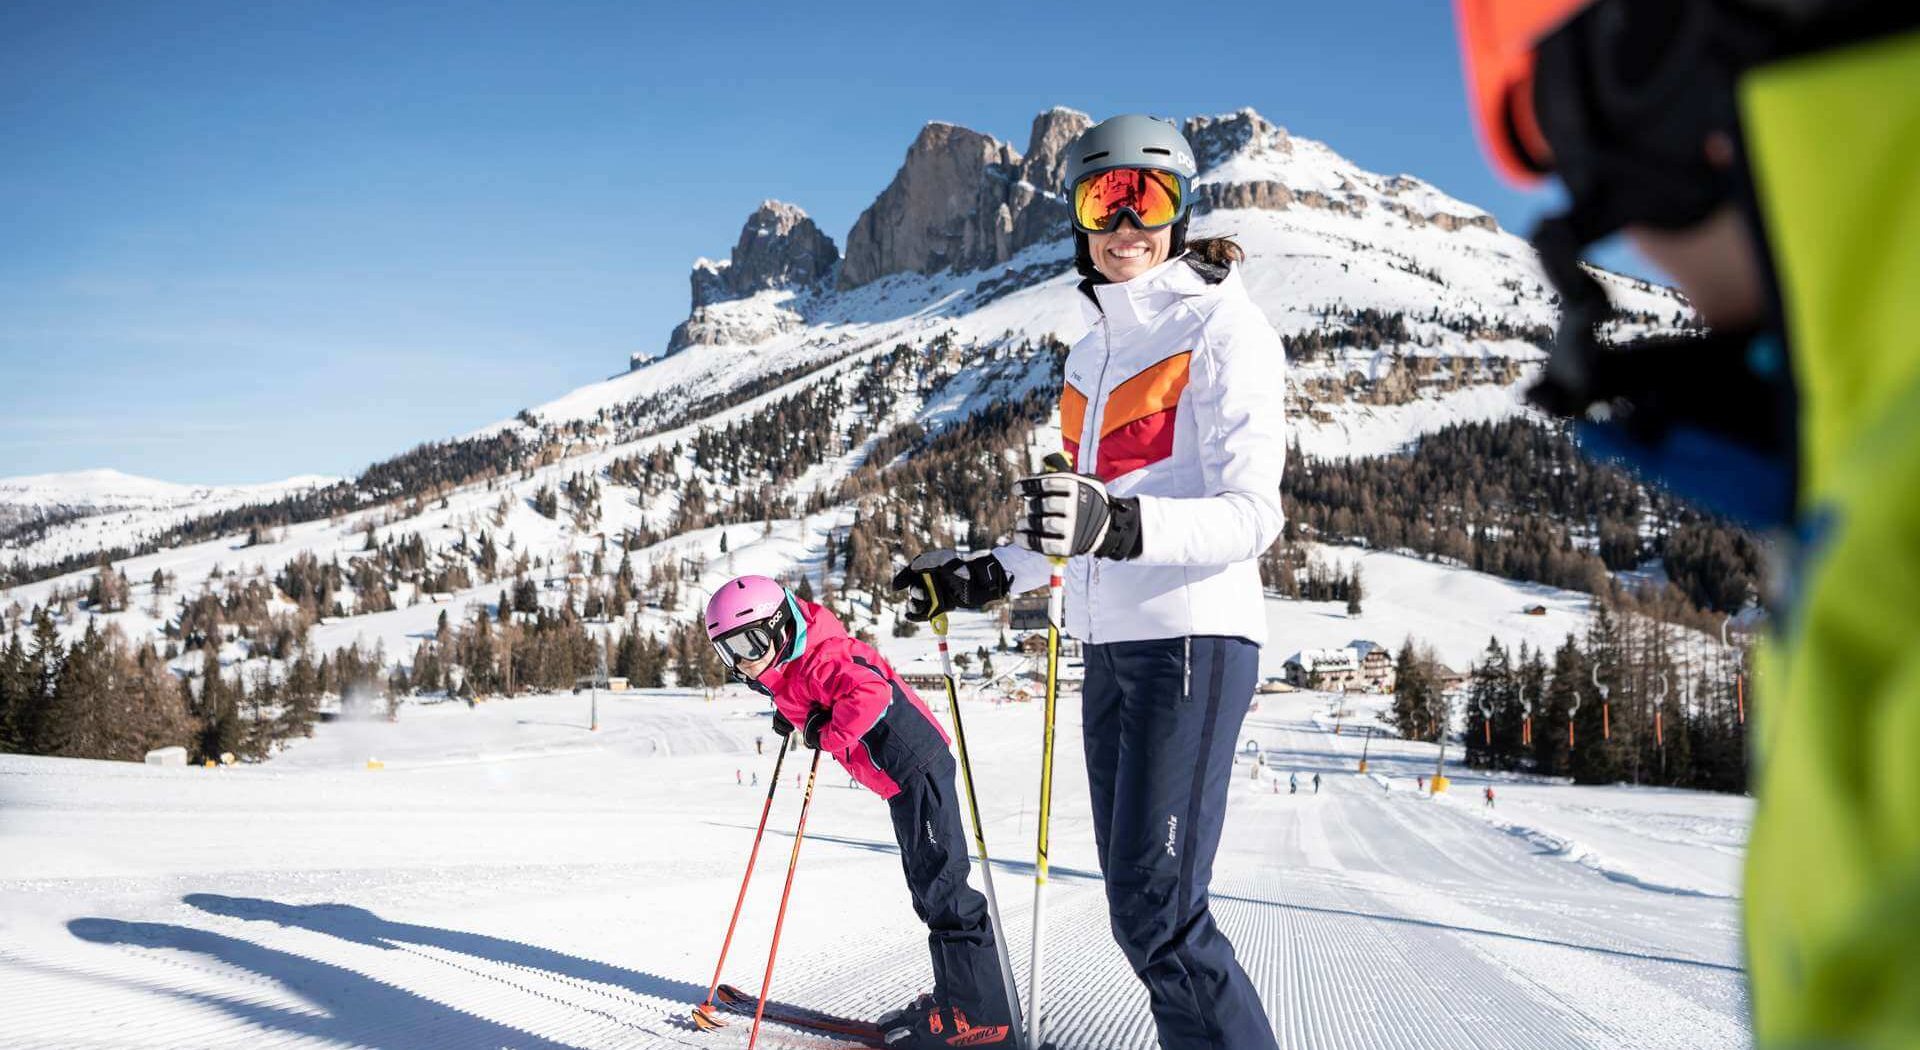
880 731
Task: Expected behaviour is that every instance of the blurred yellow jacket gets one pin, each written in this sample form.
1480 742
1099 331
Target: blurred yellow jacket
1833 868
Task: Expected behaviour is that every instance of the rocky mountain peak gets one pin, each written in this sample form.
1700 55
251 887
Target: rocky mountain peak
1046 161
946 208
1215 139
779 247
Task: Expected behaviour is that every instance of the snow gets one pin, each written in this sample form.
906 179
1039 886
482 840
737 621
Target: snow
1661 840
1452 609
108 489
1379 430
509 878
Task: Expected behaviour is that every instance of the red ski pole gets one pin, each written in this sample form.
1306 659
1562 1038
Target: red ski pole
780 918
704 1015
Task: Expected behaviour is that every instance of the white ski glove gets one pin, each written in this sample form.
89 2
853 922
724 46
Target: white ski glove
1065 514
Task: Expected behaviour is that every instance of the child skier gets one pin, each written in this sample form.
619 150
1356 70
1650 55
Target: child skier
844 697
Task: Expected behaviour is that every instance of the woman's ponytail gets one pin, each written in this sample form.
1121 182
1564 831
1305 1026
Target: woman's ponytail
1217 251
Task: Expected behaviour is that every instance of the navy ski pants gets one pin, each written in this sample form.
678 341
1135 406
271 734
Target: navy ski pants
1160 719
933 849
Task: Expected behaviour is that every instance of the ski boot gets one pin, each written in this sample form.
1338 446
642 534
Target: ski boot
906 1015
938 1028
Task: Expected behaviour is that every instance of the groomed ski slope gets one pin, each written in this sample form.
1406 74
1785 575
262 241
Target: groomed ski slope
511 879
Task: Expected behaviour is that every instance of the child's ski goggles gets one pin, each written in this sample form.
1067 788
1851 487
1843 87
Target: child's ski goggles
1153 197
746 644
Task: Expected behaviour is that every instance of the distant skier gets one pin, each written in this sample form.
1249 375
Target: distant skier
1489 793
737 778
1316 783
846 699
758 745
1293 783
1420 783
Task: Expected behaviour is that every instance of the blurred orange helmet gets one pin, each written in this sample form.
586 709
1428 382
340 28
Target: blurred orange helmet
1497 40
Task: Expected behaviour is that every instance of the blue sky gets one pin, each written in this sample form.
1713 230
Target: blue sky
243 241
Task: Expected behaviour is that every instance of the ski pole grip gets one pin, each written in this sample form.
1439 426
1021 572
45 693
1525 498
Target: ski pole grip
1057 461
936 615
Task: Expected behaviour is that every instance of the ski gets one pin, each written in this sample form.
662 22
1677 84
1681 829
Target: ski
864 1032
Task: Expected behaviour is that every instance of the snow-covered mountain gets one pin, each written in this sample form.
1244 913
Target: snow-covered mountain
1331 248
106 489
99 509
1404 310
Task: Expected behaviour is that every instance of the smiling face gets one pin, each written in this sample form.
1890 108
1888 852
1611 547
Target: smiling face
1129 251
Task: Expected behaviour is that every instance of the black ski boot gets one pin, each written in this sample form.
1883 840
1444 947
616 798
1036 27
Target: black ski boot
906 1015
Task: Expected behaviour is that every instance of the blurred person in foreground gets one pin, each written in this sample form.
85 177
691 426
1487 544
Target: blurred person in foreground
1766 155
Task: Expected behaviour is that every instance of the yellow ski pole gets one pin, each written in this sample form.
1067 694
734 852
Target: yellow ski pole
1036 1033
939 621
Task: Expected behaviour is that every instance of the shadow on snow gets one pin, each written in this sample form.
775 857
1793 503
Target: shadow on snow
359 1009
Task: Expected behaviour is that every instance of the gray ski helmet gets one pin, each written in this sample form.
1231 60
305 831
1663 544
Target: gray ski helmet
1131 140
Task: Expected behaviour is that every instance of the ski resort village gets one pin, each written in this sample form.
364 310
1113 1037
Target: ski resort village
450 754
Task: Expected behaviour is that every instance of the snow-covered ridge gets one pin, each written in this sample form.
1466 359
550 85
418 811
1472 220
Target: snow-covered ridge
107 489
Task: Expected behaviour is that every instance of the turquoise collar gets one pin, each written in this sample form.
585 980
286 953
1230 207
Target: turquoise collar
799 632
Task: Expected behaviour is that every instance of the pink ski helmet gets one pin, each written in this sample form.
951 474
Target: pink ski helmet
748 617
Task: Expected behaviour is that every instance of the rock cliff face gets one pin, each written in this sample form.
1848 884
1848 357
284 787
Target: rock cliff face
1264 193
1217 139
963 201
1040 206
779 247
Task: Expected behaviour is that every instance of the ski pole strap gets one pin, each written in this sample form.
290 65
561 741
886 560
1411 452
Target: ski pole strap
936 615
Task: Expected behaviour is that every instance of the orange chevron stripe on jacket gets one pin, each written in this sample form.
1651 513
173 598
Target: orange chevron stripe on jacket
1073 417
1136 428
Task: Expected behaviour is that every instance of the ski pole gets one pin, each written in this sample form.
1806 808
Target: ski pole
1056 602
780 918
939 620
704 1015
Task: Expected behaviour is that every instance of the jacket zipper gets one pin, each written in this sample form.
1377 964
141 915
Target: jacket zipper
1186 672
1098 411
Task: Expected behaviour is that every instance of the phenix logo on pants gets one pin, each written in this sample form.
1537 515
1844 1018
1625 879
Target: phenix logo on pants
930 839
1173 833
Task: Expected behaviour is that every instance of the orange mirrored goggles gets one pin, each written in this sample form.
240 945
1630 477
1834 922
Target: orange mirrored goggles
1154 198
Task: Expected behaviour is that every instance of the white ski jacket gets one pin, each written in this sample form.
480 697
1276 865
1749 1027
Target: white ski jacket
1175 397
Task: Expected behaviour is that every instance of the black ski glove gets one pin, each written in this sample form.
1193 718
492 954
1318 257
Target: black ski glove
816 724
781 727
958 583
1065 514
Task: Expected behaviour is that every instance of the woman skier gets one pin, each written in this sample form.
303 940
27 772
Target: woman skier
1171 413
845 698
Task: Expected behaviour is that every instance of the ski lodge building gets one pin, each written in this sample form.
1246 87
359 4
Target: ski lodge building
1360 665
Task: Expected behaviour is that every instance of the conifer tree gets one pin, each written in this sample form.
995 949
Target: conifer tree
1565 687
14 690
44 657
1489 694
